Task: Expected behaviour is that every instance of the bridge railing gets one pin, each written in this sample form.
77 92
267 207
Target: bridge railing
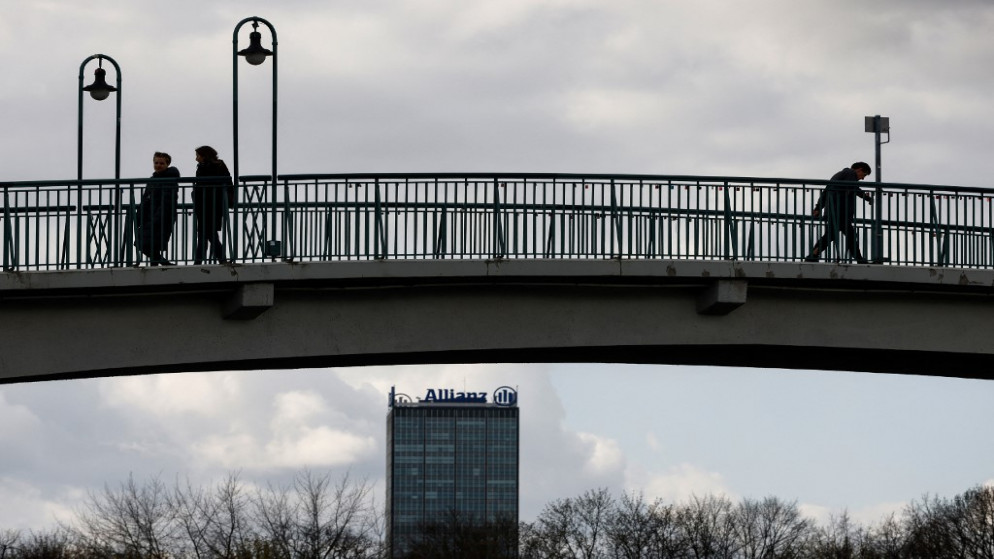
50 225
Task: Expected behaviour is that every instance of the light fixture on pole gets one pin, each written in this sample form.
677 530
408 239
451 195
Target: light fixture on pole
99 90
255 54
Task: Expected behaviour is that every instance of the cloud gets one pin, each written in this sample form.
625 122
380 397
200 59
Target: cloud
307 447
16 421
652 441
867 516
676 484
300 436
24 507
230 420
603 454
173 394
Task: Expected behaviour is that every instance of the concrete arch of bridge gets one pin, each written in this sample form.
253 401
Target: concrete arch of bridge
78 324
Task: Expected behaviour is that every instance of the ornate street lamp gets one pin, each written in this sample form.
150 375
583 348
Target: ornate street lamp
98 90
255 54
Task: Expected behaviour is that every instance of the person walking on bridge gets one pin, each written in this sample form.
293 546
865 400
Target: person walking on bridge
212 194
157 212
838 200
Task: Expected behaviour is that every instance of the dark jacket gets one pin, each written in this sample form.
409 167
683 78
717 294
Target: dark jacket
212 193
839 199
157 212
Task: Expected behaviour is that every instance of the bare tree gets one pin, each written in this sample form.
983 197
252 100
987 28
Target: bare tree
572 528
530 543
886 540
770 529
640 530
973 512
961 527
708 524
838 540
56 544
593 510
215 523
8 541
275 516
547 537
313 519
133 520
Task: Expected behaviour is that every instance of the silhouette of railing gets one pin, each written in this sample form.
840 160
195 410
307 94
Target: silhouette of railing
52 225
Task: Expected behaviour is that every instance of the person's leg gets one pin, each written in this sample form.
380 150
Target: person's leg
147 246
218 249
150 244
852 244
162 240
200 245
819 248
831 231
157 259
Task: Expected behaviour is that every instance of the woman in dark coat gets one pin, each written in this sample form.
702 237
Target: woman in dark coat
157 212
211 197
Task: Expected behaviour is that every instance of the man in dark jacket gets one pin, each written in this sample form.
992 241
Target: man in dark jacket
157 212
839 202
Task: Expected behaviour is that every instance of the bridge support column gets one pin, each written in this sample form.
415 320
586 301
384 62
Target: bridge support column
722 297
249 301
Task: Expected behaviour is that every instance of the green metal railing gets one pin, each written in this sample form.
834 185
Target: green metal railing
55 225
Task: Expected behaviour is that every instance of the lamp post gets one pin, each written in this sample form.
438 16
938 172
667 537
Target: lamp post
255 54
878 125
98 90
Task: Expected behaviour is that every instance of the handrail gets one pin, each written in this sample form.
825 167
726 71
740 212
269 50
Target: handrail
681 179
70 223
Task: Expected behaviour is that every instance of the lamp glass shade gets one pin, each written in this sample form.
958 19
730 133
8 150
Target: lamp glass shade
255 54
100 89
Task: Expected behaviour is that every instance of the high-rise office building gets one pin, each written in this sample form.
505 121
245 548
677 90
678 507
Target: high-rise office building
452 471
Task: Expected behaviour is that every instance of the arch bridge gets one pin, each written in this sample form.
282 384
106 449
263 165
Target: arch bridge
389 268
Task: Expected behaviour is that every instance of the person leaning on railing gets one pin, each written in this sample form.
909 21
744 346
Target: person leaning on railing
157 212
211 195
839 202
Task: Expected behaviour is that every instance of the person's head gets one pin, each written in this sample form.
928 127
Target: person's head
206 154
161 161
862 169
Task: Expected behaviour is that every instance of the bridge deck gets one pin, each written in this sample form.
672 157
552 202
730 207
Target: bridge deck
100 322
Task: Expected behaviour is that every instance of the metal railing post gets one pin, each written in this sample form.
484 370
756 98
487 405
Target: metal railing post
8 240
500 241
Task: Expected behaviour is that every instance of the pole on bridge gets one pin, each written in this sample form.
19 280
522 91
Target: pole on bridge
255 54
98 90
878 125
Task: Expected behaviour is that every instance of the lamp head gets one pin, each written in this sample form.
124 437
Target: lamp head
100 89
255 54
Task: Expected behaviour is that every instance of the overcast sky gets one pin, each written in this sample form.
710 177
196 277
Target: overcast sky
703 87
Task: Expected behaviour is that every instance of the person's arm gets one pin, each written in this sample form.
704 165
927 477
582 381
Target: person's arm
864 195
819 204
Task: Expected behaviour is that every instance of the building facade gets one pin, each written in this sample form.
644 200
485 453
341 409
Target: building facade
452 472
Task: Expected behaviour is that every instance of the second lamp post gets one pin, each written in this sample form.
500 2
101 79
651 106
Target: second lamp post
255 54
98 90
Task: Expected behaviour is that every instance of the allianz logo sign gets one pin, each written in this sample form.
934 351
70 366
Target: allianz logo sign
450 395
504 396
